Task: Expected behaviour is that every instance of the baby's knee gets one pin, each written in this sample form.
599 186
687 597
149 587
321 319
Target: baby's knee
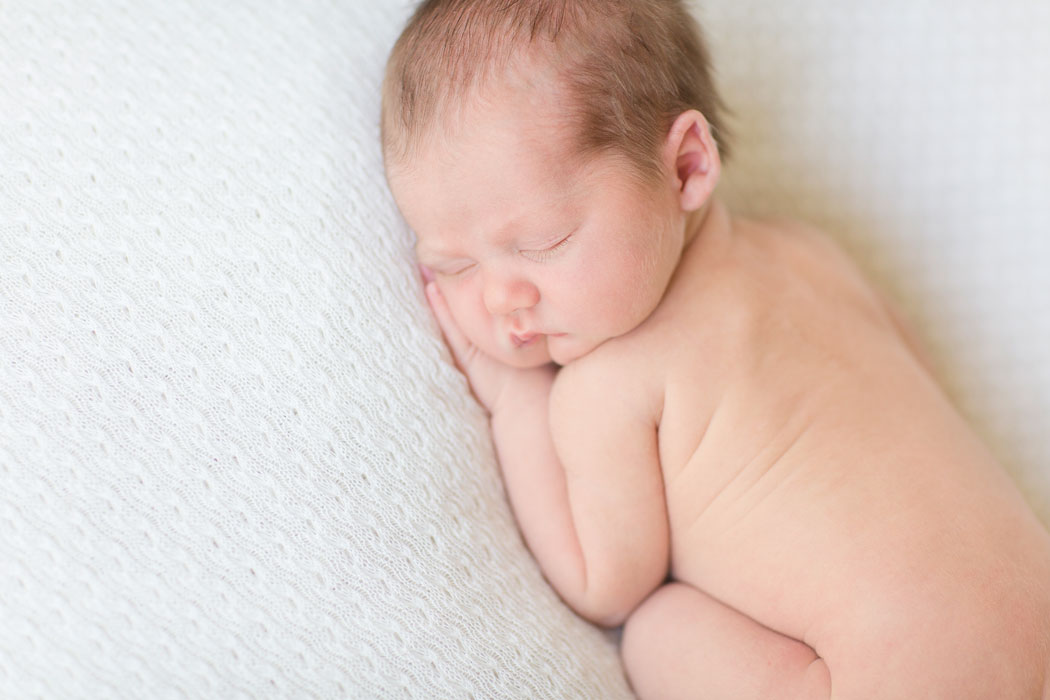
647 626
648 623
656 642
680 643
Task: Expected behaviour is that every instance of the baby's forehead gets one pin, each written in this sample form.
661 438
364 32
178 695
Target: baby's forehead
527 82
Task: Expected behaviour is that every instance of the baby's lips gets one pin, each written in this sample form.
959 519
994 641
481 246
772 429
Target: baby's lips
522 339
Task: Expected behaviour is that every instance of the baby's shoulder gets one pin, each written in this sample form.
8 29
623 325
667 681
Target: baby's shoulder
603 366
805 244
613 372
788 237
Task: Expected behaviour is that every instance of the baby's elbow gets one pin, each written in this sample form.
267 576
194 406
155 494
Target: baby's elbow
603 613
609 603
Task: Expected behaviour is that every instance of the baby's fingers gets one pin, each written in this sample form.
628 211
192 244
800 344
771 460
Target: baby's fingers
457 342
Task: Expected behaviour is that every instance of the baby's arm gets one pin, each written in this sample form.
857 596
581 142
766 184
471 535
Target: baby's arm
517 401
600 536
605 430
595 519
535 481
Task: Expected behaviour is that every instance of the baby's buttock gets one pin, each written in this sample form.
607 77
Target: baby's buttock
868 522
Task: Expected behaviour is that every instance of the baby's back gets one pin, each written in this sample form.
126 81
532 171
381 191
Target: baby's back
819 481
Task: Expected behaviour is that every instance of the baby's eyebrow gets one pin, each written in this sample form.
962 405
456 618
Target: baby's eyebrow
422 251
426 254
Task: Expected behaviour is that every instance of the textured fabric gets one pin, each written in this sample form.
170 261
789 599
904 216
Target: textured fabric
234 458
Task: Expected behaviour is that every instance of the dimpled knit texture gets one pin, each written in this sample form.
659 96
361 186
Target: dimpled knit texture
235 460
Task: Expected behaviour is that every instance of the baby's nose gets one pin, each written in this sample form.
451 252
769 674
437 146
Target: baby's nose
504 295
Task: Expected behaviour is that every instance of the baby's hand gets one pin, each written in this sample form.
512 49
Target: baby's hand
489 378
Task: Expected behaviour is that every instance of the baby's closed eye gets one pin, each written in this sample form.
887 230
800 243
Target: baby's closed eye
454 269
541 254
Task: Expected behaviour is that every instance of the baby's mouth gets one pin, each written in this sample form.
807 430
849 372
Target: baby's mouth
524 339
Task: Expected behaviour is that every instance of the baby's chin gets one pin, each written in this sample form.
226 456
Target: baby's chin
524 359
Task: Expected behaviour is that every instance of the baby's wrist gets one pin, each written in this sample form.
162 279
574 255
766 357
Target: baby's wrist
524 388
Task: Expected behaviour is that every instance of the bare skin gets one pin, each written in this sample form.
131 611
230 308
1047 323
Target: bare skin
822 486
747 416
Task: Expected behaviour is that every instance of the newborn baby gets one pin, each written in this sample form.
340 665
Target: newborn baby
712 430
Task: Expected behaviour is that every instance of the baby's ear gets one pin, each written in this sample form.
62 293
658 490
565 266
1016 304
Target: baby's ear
692 155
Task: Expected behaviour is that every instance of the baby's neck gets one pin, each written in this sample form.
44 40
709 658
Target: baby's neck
709 221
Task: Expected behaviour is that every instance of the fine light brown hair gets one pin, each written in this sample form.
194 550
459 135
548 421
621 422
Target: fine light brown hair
628 67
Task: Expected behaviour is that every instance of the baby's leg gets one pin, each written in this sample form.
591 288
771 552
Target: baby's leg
681 643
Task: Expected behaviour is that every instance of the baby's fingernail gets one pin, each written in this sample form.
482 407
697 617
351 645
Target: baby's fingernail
426 273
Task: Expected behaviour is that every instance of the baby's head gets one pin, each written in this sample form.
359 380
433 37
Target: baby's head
549 155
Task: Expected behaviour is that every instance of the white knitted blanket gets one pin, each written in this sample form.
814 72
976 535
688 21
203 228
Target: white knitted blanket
235 460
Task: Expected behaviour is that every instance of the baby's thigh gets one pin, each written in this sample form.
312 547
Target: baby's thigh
682 643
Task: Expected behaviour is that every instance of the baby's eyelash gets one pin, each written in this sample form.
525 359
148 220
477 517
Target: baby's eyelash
546 253
453 270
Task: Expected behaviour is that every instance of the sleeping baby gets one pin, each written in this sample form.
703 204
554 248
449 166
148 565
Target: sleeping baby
712 430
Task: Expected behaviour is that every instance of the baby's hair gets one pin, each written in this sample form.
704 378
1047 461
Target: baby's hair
628 67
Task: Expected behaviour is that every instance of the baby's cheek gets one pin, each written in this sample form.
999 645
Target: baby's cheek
621 299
